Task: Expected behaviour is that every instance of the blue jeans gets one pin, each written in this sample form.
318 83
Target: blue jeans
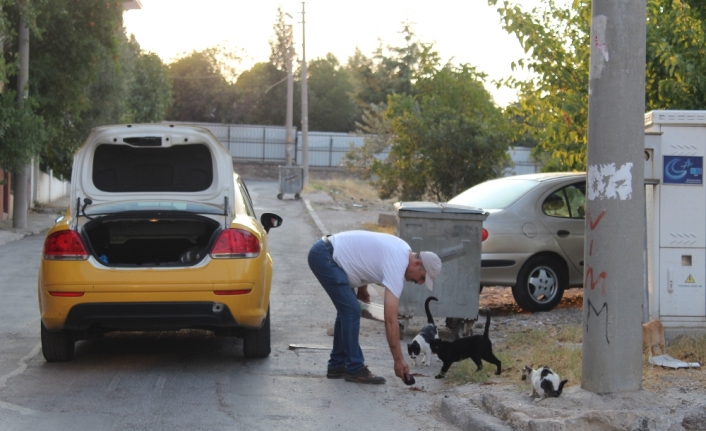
346 350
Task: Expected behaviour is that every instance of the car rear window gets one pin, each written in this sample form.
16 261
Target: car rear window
180 168
494 195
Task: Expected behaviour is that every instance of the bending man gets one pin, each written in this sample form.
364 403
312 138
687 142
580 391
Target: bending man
349 260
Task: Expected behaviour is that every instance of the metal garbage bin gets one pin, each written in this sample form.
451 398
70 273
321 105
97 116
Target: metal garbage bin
453 232
291 180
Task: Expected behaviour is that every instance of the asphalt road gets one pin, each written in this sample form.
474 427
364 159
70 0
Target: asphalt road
193 381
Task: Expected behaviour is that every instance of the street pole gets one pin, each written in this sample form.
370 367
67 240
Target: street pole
19 178
290 98
614 273
305 105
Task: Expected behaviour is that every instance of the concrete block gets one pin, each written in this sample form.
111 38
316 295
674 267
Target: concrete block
466 416
695 419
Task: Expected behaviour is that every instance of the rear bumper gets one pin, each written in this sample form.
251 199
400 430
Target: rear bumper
149 316
151 299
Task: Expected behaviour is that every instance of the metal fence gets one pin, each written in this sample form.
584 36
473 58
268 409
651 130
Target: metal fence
268 143
326 149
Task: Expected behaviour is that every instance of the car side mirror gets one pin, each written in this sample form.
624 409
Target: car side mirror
270 220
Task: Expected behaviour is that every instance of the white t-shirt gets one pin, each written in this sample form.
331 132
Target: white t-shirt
370 257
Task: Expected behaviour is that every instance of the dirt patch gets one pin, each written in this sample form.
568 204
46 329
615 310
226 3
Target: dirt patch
501 302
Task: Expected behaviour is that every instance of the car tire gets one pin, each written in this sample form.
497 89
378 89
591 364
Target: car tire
256 342
57 346
540 284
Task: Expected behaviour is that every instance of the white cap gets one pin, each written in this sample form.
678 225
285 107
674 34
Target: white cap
432 265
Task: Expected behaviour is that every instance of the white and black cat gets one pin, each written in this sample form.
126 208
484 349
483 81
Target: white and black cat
545 382
421 345
476 347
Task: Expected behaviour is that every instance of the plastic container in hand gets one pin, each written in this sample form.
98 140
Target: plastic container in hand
372 311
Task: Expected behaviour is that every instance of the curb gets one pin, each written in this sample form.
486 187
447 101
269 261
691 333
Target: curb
7 237
465 415
316 218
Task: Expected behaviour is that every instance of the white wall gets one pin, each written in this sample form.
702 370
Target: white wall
45 188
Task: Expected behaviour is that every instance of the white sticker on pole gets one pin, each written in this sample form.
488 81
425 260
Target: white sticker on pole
599 46
607 182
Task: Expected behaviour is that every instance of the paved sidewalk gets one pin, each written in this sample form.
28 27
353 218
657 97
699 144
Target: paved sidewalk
39 220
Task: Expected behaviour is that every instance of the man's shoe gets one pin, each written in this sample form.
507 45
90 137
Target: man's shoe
336 373
364 376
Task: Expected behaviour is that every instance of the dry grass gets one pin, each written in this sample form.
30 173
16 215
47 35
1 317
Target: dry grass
560 349
344 188
685 348
352 190
374 227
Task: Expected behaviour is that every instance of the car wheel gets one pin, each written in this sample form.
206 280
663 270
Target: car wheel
256 342
540 284
57 346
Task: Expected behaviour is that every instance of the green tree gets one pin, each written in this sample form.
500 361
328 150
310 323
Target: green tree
554 103
330 105
83 71
134 89
21 132
281 46
389 71
261 96
149 91
106 97
676 55
69 44
21 129
448 136
200 88
378 137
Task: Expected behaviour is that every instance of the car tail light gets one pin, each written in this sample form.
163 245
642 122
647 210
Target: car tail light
64 245
236 244
483 235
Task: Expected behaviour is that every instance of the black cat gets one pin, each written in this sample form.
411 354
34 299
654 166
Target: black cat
476 347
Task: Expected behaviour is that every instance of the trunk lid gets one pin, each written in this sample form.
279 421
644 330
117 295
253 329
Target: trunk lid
152 167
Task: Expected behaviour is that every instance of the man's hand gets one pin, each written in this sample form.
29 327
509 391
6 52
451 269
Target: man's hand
363 294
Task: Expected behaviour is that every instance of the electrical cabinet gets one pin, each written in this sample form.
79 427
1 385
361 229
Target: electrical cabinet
675 146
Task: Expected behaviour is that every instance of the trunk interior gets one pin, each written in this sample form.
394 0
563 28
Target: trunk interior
150 240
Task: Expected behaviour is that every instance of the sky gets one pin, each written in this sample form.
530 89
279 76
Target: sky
463 31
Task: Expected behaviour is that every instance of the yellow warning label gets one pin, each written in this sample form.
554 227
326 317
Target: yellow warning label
690 279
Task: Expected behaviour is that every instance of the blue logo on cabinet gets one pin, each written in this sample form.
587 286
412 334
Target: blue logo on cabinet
683 170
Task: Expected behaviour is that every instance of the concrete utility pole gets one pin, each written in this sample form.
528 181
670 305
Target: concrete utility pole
305 105
19 178
289 146
614 248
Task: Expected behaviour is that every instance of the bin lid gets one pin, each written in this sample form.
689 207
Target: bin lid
433 207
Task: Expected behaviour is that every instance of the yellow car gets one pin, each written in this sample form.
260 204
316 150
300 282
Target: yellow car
160 235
